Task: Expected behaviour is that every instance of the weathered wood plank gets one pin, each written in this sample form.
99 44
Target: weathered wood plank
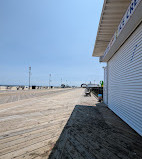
30 126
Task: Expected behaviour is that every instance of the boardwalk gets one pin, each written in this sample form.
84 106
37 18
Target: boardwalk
38 128
11 96
95 132
30 127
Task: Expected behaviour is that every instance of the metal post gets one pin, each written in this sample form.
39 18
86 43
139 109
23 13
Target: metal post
61 81
29 76
66 82
49 79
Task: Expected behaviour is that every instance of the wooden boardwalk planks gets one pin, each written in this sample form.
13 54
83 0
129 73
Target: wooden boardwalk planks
95 132
29 128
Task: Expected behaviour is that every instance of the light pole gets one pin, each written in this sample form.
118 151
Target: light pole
49 79
29 76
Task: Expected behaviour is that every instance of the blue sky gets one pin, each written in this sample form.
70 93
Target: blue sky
53 37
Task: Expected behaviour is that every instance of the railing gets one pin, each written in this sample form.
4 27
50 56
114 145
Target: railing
97 90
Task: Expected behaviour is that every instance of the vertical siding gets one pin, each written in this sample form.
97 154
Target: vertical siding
125 81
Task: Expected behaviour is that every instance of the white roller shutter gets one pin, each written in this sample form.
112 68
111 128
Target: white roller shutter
105 86
125 81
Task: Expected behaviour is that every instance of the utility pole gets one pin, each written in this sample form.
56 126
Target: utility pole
61 81
49 79
29 76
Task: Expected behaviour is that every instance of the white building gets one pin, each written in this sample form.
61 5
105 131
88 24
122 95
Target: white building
119 44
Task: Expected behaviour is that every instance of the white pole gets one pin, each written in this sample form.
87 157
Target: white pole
29 76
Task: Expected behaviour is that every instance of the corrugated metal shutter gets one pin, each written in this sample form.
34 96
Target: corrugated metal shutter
105 86
125 81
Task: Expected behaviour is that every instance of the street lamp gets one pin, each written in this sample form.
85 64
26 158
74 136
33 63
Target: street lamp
49 79
29 76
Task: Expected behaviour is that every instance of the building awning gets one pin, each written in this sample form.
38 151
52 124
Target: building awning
112 13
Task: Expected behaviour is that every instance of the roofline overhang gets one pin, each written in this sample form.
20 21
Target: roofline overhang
132 23
99 24
111 15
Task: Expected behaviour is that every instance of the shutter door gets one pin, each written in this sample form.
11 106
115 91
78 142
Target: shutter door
125 81
105 86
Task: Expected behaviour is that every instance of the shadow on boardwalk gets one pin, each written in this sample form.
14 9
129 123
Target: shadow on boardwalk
95 132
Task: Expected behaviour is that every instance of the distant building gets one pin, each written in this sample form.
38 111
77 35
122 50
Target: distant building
119 44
